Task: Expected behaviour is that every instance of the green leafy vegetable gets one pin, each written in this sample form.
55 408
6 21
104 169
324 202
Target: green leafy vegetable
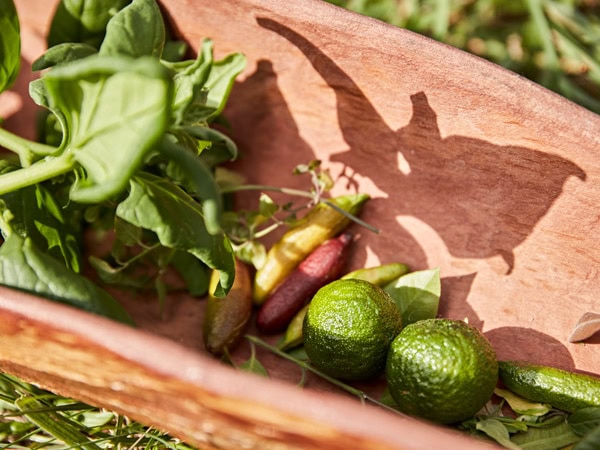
47 224
24 266
495 429
125 130
82 21
220 82
62 54
189 79
137 30
10 44
159 205
585 420
115 110
590 441
547 438
252 364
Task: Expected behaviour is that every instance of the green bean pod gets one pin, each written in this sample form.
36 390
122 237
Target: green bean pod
379 275
226 317
320 223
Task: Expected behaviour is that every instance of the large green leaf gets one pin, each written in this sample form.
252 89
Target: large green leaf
24 266
82 21
416 294
136 30
157 204
10 44
115 109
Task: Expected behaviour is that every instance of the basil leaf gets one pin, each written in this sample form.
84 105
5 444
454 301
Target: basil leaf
548 438
584 420
24 266
53 229
157 204
55 124
590 441
417 295
198 178
10 44
220 81
203 86
174 50
190 77
195 274
137 30
497 431
62 54
82 21
220 148
115 109
253 365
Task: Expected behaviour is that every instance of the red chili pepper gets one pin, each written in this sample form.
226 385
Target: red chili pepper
322 265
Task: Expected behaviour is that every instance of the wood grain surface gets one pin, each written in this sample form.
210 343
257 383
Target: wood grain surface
472 169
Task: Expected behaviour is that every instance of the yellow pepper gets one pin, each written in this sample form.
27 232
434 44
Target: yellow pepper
319 224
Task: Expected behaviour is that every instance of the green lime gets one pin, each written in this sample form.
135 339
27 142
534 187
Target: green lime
562 389
441 370
348 329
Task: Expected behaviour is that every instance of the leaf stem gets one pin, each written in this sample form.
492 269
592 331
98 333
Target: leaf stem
300 193
360 222
264 187
201 179
42 170
363 396
23 147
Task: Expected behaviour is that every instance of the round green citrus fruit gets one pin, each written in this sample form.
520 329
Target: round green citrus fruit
348 329
441 370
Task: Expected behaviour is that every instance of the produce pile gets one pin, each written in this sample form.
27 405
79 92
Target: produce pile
129 149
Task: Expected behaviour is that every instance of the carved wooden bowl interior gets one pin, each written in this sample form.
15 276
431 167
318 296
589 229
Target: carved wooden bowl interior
471 168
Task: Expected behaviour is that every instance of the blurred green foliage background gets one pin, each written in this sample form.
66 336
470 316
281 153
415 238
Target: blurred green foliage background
555 43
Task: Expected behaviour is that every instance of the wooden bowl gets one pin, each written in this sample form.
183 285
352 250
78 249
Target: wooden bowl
472 169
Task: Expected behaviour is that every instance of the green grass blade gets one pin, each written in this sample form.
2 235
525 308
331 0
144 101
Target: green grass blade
54 423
